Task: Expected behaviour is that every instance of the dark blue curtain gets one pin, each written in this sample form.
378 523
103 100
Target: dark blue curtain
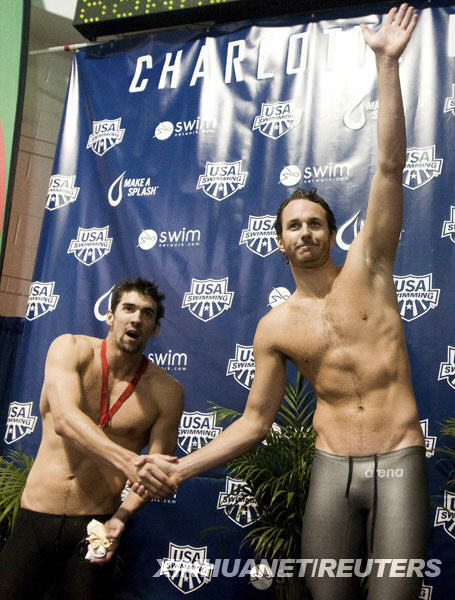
11 329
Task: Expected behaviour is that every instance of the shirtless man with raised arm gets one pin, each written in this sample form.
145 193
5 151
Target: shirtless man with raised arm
88 450
343 331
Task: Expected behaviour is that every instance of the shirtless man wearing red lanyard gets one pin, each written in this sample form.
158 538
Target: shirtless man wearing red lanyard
101 403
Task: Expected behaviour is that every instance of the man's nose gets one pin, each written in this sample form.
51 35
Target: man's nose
305 230
136 316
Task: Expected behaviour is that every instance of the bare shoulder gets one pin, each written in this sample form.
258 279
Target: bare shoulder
75 349
271 324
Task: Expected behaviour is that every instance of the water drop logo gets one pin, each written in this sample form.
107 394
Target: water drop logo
354 117
116 191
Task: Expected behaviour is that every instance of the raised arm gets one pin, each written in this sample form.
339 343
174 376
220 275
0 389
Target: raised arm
382 228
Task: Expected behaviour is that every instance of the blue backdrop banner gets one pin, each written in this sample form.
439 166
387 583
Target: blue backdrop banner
175 151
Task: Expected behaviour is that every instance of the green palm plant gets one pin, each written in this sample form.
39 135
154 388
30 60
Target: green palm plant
14 469
277 473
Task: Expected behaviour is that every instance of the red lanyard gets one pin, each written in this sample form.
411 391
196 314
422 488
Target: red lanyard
105 415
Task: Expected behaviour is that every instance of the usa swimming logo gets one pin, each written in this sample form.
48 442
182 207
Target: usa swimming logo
106 134
445 515
426 591
347 233
178 238
447 369
20 421
133 187
277 118
222 179
421 166
430 440
196 430
242 365
208 298
449 105
416 295
355 116
187 567
237 502
41 299
448 228
91 245
260 236
61 191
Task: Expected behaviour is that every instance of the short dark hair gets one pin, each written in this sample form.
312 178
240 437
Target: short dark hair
301 194
142 286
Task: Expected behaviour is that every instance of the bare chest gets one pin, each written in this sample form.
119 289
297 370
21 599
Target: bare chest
131 415
337 329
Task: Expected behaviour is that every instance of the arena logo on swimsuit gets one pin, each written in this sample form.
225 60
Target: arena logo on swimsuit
106 134
61 191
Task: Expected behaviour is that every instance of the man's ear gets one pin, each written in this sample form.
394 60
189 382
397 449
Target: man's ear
156 330
279 242
333 237
109 317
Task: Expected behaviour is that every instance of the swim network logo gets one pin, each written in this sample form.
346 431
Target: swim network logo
177 238
165 129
